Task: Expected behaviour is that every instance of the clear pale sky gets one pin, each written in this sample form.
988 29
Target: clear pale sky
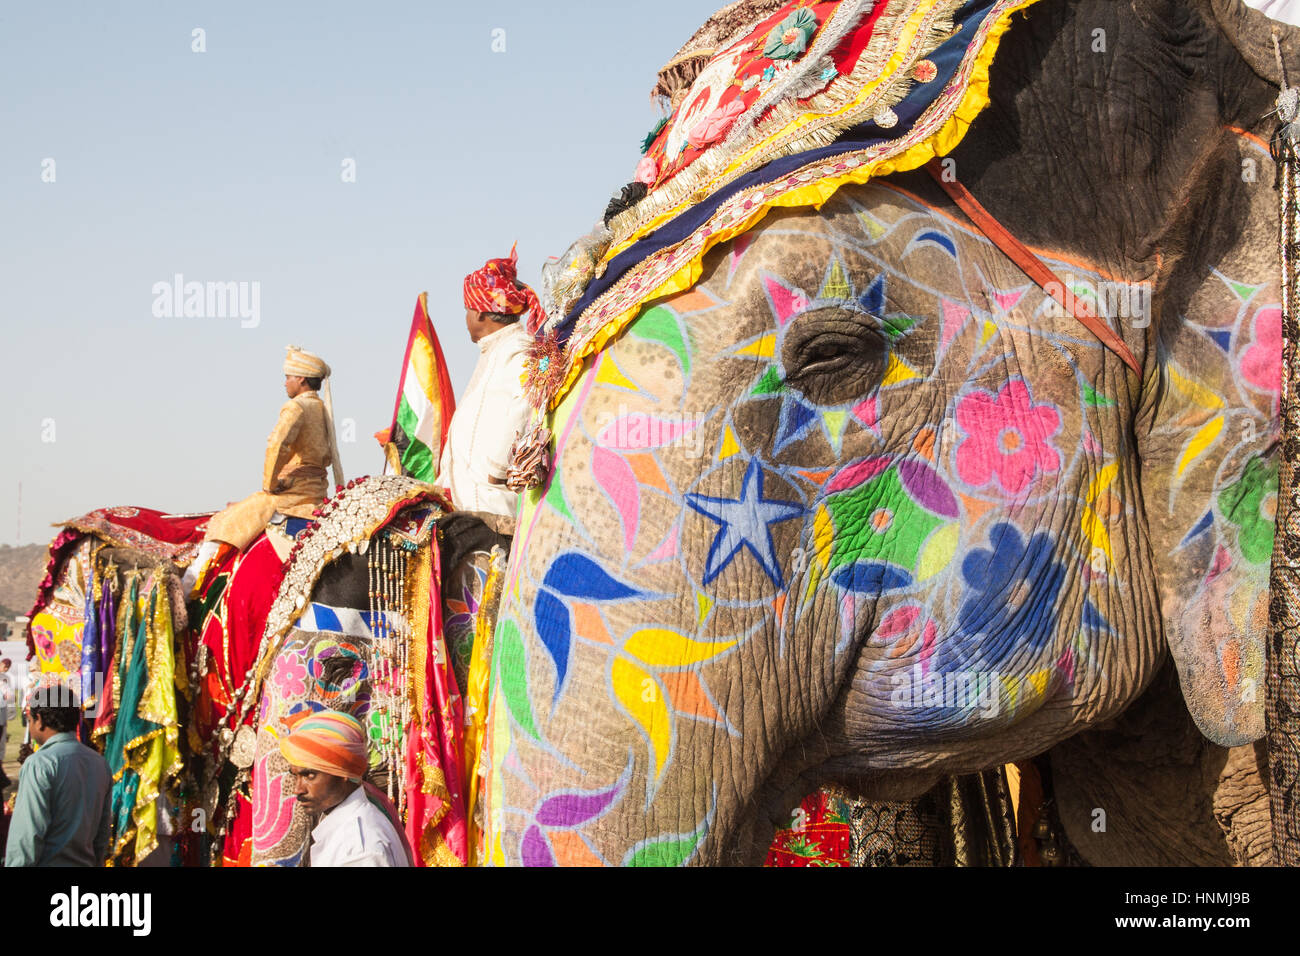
227 166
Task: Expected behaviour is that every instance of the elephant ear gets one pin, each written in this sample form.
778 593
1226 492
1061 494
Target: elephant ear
1250 29
1209 450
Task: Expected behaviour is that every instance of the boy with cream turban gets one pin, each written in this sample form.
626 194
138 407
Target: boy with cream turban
294 477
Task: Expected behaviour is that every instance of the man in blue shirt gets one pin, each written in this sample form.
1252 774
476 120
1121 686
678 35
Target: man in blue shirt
62 811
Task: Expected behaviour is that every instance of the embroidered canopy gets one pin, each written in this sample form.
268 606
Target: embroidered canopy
810 97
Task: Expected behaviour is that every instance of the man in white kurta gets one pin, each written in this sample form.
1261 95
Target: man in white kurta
499 313
328 758
356 833
489 416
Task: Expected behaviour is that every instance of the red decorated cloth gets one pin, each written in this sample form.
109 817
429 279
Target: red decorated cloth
436 825
739 74
156 532
819 837
234 605
237 850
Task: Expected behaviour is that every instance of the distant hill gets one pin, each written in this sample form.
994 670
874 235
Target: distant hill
21 570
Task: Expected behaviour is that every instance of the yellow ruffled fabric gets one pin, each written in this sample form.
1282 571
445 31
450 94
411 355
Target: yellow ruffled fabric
476 695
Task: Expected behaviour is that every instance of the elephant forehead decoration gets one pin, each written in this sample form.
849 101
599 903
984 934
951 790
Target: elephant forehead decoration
959 501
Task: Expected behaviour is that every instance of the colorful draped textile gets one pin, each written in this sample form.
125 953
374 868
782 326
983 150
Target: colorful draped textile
230 618
231 614
425 402
174 538
477 695
143 746
813 97
495 288
435 789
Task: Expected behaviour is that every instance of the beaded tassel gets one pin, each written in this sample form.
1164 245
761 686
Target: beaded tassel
387 660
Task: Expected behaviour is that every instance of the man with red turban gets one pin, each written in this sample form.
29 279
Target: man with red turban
327 758
500 313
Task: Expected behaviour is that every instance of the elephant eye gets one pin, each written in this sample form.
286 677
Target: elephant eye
833 355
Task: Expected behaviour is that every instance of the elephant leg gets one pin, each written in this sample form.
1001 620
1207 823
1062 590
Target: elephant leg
1241 806
1150 790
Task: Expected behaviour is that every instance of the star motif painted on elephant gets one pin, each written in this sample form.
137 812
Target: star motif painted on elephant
799 417
745 523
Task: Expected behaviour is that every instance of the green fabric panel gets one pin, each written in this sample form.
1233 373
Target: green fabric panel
128 725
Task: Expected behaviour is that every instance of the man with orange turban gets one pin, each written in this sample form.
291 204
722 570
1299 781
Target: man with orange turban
299 451
500 313
327 757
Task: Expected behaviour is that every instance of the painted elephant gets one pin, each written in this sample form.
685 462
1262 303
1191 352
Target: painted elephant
862 505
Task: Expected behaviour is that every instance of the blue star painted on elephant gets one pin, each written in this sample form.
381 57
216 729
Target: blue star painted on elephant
745 523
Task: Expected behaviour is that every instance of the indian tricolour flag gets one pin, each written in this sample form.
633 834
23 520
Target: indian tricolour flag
425 402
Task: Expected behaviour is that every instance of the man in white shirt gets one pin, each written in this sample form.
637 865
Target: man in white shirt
500 313
327 758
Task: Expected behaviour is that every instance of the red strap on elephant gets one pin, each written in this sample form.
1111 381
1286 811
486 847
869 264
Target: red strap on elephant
1032 266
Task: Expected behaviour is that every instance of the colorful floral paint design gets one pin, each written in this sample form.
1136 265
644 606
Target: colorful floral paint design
1008 438
965 527
289 675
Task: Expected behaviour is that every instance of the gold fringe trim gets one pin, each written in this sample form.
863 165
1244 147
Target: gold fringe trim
417 599
434 850
477 693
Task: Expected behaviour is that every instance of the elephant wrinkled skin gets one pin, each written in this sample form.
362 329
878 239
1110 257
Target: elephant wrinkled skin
863 506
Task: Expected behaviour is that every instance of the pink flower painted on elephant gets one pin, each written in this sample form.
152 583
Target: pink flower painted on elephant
289 676
1261 364
1007 438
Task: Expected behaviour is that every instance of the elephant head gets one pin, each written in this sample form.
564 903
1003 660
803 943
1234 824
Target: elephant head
864 505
